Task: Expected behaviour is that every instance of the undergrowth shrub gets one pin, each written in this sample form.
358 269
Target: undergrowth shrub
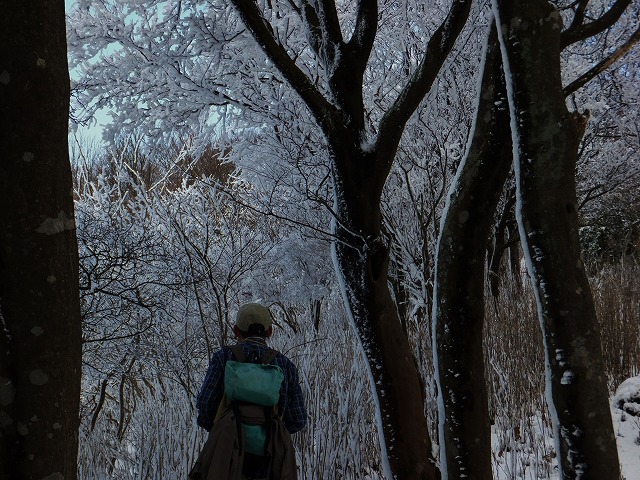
616 293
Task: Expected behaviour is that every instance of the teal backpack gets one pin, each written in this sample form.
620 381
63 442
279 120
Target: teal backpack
253 387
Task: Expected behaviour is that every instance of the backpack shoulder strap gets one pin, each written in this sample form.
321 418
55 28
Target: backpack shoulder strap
269 356
238 353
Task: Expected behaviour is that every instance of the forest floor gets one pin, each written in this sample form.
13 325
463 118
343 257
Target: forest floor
532 457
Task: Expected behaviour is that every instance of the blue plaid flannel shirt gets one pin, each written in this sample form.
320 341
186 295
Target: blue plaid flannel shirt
291 403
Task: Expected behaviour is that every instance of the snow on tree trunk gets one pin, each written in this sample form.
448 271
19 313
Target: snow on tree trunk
458 313
361 257
546 139
40 349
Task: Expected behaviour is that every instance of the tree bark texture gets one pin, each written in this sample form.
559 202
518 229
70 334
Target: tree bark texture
546 139
458 312
362 263
40 332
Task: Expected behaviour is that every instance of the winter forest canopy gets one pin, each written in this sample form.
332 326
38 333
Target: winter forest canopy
438 200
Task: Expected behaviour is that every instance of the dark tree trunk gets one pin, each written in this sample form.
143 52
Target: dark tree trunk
458 313
546 139
40 331
362 261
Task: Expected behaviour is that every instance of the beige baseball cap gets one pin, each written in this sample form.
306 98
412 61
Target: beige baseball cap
252 313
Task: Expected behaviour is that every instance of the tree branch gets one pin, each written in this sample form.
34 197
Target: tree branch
330 23
581 31
578 17
324 28
253 18
438 48
310 16
602 66
365 30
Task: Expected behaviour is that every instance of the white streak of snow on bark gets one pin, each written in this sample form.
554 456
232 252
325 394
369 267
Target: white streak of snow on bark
386 466
553 413
434 313
4 326
51 226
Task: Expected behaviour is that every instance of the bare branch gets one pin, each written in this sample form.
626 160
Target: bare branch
253 18
438 48
578 18
330 23
324 27
579 31
365 31
310 16
602 66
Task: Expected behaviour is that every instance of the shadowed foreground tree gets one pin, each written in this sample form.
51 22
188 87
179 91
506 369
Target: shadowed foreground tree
40 350
458 308
546 137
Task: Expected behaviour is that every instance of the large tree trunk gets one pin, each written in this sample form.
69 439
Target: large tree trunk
40 349
546 138
362 263
361 254
458 311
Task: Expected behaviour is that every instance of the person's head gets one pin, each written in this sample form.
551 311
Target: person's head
253 320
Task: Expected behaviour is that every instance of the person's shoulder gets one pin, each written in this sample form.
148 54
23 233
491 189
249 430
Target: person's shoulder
222 353
281 357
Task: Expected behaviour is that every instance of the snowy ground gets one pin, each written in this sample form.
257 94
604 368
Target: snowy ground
626 420
532 457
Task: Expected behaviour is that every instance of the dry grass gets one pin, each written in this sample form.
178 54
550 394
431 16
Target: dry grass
616 292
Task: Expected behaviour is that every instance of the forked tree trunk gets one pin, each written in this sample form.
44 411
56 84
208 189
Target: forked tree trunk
40 347
546 139
362 261
359 174
458 312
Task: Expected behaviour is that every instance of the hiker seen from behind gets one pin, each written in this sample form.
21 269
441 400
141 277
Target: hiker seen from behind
250 403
